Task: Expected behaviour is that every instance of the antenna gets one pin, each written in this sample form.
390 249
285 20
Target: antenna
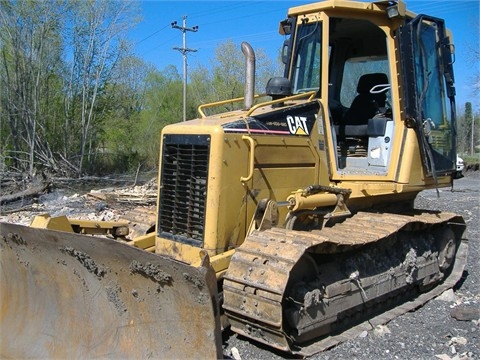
184 51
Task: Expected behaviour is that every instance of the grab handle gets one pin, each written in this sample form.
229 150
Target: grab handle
251 158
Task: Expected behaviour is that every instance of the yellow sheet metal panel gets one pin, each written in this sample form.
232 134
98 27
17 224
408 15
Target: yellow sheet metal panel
144 242
59 223
176 250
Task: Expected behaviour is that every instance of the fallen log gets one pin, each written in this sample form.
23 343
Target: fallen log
119 196
31 191
6 210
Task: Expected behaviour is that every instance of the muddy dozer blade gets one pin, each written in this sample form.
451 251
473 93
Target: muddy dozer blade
64 295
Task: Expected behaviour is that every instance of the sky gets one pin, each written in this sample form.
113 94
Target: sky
257 23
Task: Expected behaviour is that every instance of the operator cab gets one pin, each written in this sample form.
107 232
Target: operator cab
359 77
359 96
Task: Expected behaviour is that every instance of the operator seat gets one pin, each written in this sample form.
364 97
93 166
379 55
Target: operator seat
366 105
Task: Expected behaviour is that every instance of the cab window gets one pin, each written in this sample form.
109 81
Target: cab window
307 64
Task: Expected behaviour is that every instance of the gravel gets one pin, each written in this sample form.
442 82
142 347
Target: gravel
430 332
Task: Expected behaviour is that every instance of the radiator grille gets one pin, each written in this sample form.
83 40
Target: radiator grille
183 188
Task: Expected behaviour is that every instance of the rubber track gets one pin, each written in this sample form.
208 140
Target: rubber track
259 270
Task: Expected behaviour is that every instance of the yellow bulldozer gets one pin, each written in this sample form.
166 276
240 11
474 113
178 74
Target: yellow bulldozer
290 220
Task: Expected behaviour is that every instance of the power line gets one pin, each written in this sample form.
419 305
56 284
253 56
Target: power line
209 12
219 9
160 45
152 34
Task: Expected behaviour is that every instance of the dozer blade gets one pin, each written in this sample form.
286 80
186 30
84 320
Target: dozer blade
64 295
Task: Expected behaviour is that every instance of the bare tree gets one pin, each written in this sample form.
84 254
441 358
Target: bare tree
30 54
97 28
474 50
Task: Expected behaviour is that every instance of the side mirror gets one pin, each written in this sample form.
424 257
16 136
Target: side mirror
285 27
285 49
278 87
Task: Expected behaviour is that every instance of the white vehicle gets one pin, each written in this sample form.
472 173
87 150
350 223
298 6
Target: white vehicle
460 164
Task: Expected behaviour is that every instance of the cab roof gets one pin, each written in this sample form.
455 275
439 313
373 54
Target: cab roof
376 6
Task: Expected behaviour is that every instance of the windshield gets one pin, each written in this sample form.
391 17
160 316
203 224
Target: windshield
307 62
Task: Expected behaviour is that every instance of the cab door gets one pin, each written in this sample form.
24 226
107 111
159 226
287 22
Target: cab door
429 91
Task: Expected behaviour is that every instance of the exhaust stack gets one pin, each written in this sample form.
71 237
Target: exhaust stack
249 91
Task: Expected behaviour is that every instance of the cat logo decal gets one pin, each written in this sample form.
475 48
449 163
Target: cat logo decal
297 125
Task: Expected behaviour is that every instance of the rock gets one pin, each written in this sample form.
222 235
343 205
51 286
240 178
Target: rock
235 354
381 330
443 357
457 340
100 206
108 215
447 296
363 334
466 313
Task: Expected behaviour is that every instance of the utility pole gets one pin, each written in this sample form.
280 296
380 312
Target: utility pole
184 51
472 142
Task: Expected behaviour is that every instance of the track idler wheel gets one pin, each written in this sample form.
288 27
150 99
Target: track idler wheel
447 248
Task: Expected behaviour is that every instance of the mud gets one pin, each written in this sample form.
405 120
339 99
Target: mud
151 271
195 281
17 239
86 261
114 298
